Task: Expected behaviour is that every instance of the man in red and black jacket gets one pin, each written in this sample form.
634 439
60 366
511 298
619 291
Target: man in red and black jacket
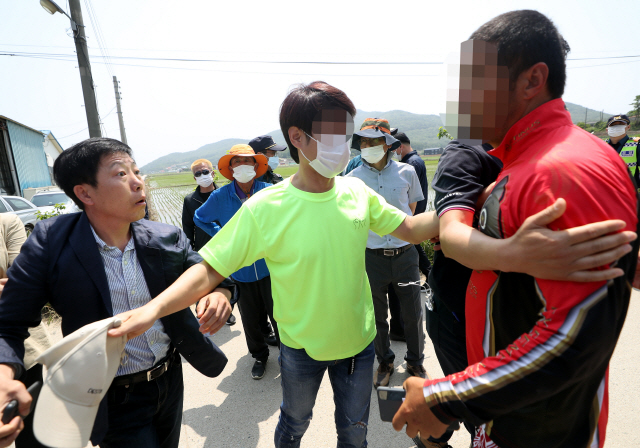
538 349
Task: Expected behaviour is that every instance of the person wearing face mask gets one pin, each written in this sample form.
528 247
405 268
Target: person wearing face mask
241 165
312 231
203 174
391 261
265 145
617 128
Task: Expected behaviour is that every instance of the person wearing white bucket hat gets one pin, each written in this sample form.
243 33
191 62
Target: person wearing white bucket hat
80 369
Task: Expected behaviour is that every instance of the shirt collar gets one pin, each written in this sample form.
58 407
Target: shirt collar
621 143
104 246
407 156
367 165
241 194
543 119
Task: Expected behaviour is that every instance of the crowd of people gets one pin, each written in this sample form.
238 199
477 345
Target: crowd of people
534 227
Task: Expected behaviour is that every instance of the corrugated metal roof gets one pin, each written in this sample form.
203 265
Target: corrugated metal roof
24 126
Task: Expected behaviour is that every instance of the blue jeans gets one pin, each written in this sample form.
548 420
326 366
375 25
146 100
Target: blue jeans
146 414
301 378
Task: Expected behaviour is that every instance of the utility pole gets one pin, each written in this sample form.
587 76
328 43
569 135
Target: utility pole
88 90
585 115
116 87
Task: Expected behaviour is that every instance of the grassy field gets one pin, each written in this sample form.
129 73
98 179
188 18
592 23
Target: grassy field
169 189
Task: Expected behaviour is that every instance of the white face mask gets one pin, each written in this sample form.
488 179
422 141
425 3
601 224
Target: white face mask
274 162
204 181
373 154
244 173
332 159
617 131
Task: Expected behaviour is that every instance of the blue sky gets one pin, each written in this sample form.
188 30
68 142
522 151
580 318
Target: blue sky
179 106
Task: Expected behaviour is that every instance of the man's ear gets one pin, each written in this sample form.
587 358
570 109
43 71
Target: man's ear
83 193
536 77
295 136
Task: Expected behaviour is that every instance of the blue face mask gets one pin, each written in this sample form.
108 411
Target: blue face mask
274 162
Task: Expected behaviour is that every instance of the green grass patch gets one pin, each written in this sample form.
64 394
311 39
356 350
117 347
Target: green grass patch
287 171
174 179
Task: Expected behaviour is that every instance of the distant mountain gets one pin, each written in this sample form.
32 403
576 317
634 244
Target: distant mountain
577 114
422 130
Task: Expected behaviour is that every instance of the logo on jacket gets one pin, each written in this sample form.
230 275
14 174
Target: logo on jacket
490 216
360 223
626 153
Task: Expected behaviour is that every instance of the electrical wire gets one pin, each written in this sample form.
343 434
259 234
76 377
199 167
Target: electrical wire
141 58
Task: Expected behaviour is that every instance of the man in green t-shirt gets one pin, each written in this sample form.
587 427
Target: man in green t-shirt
315 250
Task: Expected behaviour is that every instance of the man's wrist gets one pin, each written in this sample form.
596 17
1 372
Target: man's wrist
8 371
505 258
225 292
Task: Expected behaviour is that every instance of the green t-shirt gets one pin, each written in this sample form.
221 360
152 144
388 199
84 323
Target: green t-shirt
314 245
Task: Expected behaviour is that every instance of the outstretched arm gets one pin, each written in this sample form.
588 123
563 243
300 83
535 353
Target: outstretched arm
535 249
194 284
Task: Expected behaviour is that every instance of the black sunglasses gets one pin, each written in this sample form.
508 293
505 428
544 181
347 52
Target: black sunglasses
199 173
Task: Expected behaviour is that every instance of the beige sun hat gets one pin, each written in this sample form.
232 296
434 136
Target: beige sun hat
79 371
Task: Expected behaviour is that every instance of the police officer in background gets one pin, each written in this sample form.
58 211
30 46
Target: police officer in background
265 145
617 127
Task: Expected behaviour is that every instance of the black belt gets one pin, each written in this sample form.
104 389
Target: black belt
390 252
151 374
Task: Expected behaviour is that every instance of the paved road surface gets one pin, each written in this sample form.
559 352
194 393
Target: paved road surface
237 411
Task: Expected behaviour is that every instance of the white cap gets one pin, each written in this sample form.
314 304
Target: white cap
80 369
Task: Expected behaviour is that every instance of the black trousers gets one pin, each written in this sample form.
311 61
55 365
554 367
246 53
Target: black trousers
146 414
448 336
265 326
396 325
253 299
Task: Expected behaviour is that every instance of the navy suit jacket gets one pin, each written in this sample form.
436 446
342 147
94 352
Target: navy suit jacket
60 264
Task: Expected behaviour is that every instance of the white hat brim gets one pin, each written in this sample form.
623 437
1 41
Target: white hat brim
58 423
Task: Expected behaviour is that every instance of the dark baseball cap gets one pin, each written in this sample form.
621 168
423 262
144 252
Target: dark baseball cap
621 117
264 142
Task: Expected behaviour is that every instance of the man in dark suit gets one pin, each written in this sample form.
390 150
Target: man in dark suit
97 263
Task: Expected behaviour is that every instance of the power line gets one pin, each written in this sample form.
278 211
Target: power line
70 58
141 58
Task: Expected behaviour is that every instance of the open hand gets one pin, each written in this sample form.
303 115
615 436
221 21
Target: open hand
135 322
570 254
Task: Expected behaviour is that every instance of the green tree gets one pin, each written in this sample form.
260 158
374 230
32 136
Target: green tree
636 108
442 132
58 209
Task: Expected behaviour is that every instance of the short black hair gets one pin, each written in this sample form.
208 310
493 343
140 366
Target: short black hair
302 104
525 38
79 164
403 138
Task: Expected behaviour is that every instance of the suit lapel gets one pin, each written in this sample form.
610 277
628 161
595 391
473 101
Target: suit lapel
84 245
150 259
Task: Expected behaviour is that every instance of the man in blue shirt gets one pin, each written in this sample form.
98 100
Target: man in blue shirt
242 165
